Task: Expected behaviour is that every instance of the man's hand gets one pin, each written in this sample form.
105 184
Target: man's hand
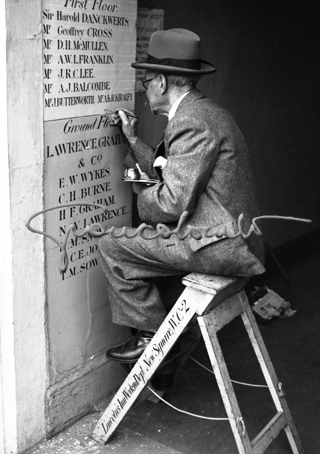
128 122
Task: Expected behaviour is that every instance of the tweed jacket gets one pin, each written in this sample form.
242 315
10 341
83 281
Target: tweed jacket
207 173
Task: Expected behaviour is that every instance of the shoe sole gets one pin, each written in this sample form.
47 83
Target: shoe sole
125 361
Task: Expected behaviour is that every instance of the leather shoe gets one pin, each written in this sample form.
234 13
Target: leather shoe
131 350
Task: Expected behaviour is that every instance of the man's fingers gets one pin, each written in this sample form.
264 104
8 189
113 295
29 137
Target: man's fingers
127 111
115 120
123 115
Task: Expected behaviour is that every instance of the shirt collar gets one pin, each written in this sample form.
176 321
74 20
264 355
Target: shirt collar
175 106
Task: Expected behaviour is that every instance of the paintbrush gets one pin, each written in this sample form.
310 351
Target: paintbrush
143 175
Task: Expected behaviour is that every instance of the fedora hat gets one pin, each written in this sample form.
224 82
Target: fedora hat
175 51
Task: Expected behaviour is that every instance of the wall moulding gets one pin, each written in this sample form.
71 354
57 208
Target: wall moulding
80 392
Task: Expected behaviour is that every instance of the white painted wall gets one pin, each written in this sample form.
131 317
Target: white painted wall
7 399
28 412
22 288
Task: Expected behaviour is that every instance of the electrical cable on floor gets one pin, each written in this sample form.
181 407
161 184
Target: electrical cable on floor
184 411
233 381
200 416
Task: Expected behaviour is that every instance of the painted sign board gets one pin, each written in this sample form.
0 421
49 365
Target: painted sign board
83 168
149 20
88 48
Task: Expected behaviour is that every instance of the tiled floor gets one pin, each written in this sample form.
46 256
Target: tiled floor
294 347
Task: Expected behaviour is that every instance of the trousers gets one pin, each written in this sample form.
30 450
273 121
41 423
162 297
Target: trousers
130 264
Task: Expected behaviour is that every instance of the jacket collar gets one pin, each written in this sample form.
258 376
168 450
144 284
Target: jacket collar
175 106
192 96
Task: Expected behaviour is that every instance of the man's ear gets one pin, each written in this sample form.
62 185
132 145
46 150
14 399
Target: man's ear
163 84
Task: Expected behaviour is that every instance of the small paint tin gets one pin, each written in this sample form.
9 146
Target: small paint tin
131 174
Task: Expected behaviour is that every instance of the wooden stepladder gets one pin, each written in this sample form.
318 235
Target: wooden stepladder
216 301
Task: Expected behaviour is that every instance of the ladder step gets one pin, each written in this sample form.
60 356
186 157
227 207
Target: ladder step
269 433
215 301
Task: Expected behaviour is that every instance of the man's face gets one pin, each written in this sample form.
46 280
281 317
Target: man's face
153 92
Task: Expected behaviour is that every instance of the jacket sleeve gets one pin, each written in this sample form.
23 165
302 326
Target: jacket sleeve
192 149
144 154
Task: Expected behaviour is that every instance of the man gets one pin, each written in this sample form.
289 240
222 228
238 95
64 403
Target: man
205 171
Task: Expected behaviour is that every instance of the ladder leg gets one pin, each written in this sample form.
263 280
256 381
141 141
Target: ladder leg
270 375
162 342
294 440
219 366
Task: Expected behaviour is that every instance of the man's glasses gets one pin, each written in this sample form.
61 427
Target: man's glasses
145 82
